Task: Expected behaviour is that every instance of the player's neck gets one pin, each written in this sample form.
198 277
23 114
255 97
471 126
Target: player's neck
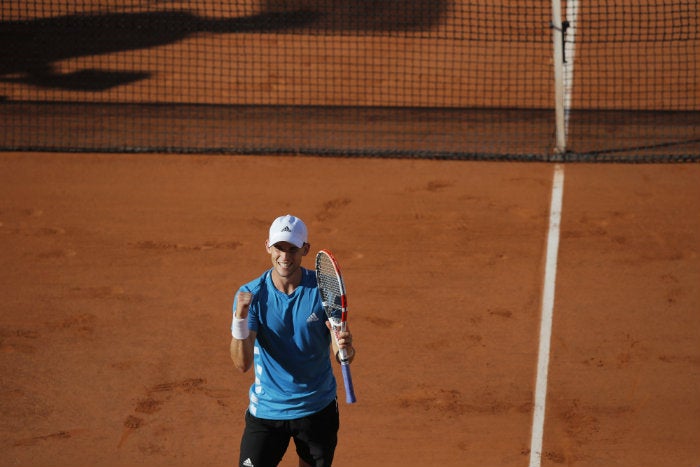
288 284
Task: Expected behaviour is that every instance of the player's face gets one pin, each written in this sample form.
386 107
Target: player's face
286 258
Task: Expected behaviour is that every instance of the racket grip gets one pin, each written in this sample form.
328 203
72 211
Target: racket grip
347 382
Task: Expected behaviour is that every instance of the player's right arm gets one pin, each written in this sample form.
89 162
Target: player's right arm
242 348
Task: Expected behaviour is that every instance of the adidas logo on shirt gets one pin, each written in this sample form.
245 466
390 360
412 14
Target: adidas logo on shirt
248 463
312 318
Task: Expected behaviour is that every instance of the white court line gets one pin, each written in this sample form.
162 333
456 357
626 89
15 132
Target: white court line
550 275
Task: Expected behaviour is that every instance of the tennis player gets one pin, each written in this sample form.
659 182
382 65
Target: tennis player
279 327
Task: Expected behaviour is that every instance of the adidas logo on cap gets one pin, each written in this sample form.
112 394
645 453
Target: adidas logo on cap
288 229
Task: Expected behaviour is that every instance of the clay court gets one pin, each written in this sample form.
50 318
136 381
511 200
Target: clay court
118 274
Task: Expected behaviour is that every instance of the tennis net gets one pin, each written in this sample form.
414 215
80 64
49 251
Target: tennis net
393 78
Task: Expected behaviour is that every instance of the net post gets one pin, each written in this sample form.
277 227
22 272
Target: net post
559 90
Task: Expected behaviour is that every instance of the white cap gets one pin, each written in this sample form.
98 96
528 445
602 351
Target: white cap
288 229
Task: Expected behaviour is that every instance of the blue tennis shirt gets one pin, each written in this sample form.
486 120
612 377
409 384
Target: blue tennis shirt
293 373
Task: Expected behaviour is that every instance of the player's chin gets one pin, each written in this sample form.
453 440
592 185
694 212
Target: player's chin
285 271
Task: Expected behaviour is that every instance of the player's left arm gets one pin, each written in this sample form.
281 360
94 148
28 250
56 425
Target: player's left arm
344 341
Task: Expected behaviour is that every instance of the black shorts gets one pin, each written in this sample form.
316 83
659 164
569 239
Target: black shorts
265 442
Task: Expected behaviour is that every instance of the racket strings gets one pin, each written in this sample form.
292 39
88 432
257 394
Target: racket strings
327 276
328 285
329 290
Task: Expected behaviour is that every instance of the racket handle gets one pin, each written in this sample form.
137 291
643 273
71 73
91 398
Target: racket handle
347 381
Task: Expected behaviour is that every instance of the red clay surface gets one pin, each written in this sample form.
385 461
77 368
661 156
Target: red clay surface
118 273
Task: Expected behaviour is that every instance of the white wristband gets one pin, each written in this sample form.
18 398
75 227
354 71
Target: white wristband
239 329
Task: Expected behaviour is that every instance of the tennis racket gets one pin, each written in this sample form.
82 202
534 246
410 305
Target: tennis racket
335 303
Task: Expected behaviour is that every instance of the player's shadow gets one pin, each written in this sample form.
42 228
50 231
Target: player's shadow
30 49
368 15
